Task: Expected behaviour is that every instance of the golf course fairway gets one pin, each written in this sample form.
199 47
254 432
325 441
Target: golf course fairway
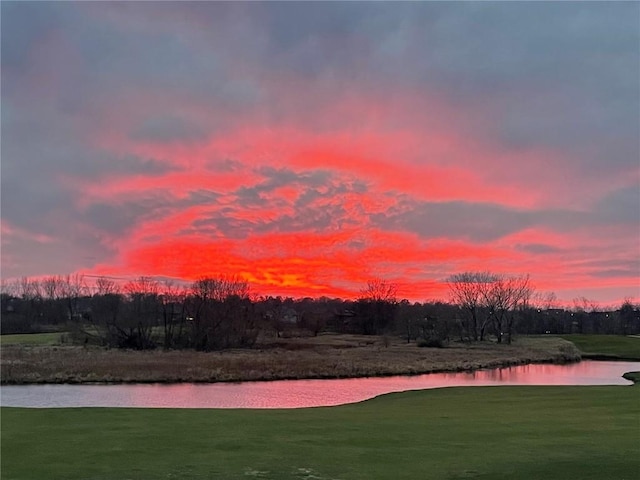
451 433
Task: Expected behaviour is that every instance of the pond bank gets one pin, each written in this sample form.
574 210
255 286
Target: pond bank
305 393
325 356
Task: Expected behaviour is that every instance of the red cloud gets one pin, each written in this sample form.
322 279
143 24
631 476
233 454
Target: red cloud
406 145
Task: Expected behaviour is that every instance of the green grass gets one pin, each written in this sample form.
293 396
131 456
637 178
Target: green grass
590 433
31 339
632 376
613 346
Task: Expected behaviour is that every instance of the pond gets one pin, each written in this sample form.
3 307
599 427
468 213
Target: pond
304 393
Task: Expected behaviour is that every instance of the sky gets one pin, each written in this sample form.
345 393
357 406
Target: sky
310 147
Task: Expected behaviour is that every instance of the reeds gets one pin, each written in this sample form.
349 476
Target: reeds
326 356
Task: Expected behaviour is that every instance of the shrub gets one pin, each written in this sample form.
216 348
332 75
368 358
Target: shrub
430 343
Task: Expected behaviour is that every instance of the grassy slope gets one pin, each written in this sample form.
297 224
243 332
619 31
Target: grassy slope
492 433
613 346
632 376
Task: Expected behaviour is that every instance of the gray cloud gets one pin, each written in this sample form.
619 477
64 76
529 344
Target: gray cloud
222 223
477 222
283 177
168 129
318 207
620 206
24 23
26 257
630 272
537 248
480 222
560 77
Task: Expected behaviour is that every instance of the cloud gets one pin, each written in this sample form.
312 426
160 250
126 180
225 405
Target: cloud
537 248
409 140
477 222
621 206
168 129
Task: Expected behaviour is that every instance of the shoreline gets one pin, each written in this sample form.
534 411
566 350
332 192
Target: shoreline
290 378
324 357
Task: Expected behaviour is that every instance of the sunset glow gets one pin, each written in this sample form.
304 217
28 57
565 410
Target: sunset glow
310 147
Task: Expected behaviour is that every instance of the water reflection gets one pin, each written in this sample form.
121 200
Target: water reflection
304 393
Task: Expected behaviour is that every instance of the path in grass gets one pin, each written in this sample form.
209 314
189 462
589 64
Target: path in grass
484 432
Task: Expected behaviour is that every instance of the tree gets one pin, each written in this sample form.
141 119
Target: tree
469 291
313 316
53 298
582 309
29 289
52 287
222 312
629 317
105 286
490 300
408 317
379 290
544 300
125 320
376 306
9 288
174 304
30 292
106 319
504 297
142 312
73 287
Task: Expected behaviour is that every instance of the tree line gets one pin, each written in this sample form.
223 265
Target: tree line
222 312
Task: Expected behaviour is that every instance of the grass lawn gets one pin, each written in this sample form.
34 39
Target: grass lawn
632 376
481 432
31 339
613 346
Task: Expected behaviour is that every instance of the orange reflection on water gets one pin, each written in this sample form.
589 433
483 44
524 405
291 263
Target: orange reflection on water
304 393
316 393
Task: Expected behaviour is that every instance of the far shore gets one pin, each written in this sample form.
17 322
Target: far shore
323 357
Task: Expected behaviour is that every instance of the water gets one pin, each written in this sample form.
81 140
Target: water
303 393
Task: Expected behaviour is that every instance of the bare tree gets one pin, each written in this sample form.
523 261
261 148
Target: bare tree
142 313
142 285
29 289
504 297
173 303
629 315
126 319
583 304
54 301
106 314
219 311
105 286
377 306
379 290
469 291
490 299
9 288
544 314
52 287
544 300
73 288
582 309
221 288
